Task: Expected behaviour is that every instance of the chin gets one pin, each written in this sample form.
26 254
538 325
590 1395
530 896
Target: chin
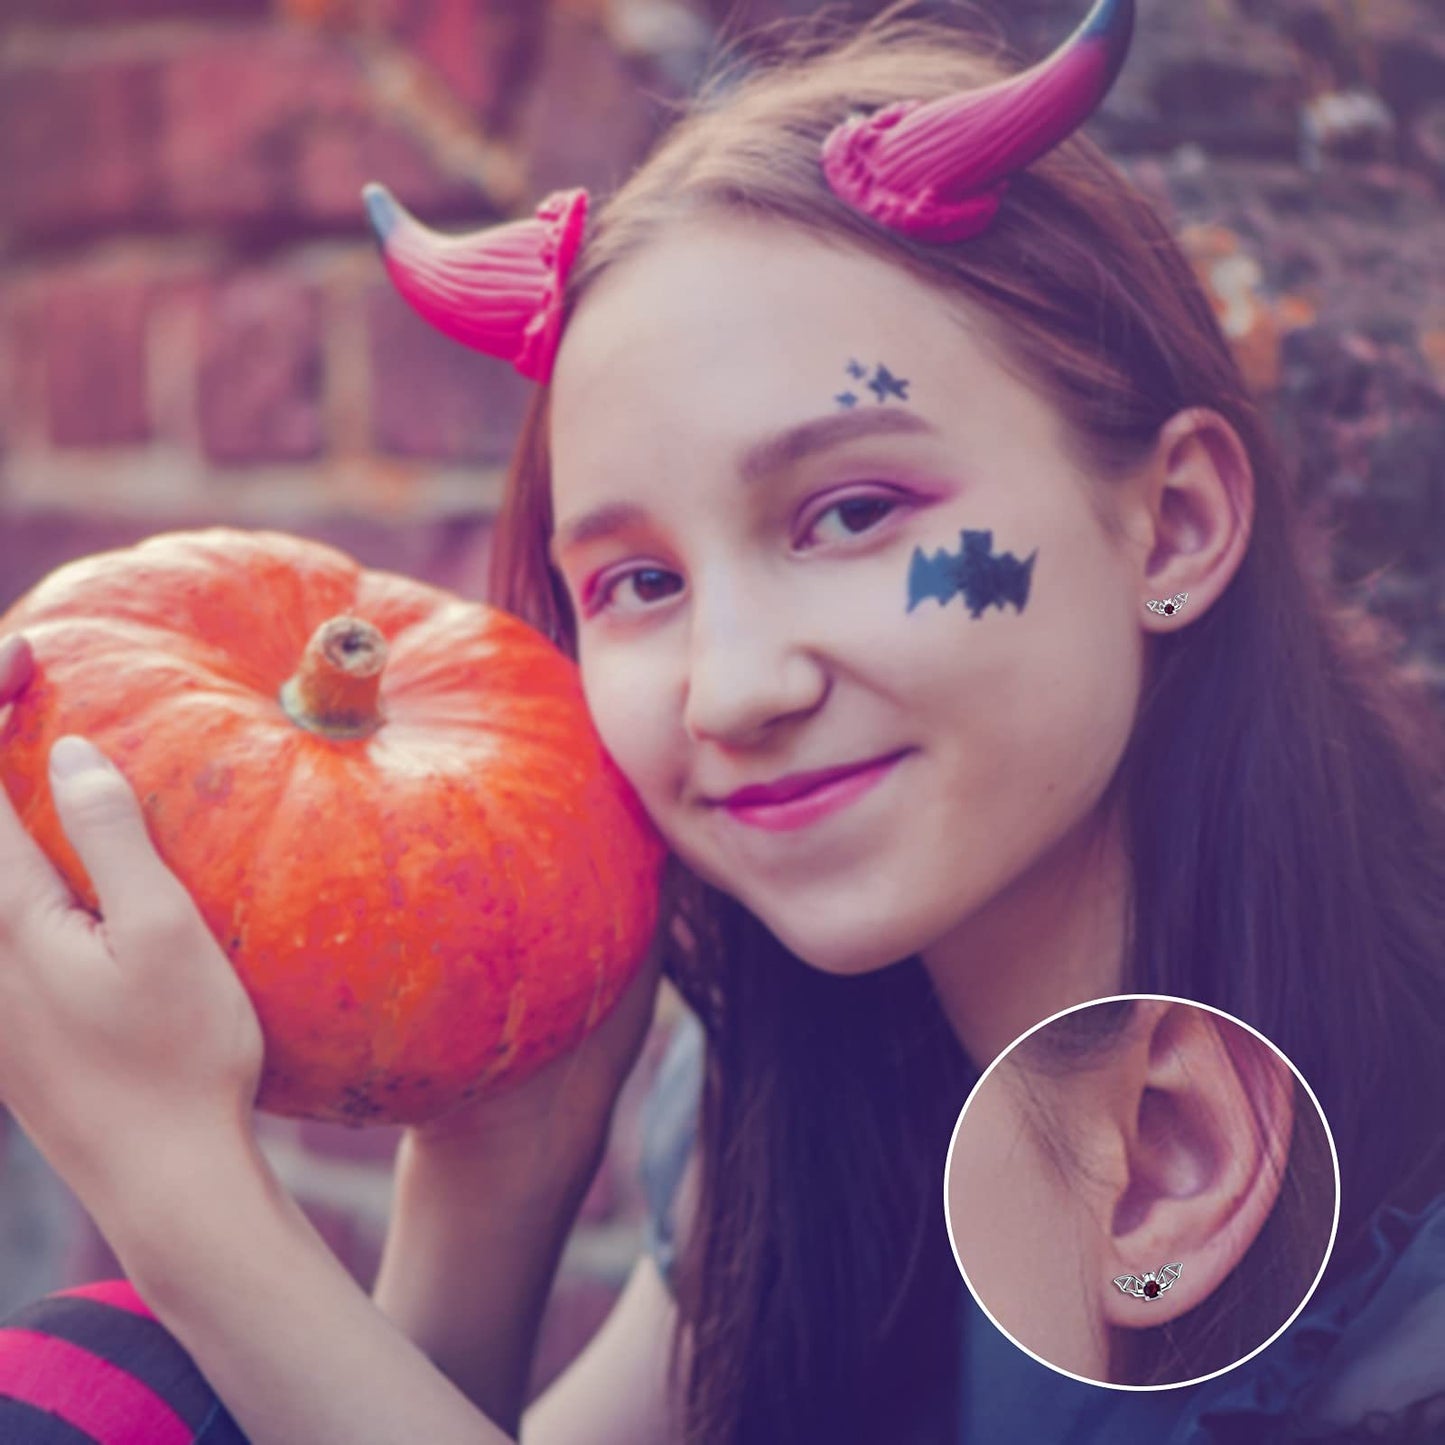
832 940
846 952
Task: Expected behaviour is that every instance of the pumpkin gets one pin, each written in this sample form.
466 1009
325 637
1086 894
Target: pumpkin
388 803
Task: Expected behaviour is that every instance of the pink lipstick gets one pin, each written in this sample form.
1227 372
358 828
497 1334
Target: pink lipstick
819 801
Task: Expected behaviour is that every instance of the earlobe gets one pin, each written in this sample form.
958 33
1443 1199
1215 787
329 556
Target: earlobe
1199 498
1212 1121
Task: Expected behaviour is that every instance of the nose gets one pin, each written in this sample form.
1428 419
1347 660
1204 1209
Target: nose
749 667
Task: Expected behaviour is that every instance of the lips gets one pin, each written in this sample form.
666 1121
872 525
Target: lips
795 785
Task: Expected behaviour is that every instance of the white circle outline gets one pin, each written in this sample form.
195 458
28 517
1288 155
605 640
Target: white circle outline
1170 1384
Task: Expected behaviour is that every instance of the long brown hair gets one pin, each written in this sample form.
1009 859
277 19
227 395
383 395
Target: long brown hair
1282 788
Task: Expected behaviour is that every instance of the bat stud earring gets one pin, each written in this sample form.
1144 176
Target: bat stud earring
1168 606
1149 1285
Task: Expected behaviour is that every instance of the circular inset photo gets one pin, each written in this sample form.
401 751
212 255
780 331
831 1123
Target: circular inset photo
1142 1192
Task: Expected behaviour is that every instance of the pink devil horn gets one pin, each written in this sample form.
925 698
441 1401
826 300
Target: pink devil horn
497 290
937 170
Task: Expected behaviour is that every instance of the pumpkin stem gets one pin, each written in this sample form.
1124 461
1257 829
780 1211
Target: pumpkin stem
334 690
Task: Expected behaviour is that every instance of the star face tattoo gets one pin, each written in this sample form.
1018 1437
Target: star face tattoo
883 384
983 579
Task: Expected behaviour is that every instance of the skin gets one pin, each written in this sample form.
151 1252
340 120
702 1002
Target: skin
753 630
1019 1236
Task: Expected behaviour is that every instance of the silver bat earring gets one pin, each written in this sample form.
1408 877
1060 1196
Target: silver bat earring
1150 1285
1168 606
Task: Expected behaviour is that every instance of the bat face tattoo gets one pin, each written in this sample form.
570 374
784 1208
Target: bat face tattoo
882 384
975 573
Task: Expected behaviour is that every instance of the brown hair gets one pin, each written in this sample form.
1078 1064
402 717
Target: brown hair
1282 787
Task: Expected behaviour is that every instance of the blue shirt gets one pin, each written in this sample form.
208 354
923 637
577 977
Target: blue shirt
1371 1344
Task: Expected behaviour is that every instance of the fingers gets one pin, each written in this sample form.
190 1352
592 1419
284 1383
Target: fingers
141 900
17 665
27 880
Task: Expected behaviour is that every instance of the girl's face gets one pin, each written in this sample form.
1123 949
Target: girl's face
806 521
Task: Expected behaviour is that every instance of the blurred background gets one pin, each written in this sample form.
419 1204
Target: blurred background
195 328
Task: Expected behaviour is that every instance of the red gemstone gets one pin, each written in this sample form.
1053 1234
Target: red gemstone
1151 1288
1169 607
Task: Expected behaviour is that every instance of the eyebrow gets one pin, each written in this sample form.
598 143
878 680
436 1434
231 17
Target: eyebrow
761 460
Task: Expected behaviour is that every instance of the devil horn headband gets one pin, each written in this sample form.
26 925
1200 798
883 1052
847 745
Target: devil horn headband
933 170
498 290
937 170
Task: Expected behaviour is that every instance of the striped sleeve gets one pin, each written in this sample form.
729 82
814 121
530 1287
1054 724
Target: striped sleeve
93 1366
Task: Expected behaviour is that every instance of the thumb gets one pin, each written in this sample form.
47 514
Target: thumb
102 819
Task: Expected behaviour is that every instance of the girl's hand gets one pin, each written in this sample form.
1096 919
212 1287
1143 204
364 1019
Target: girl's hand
121 1036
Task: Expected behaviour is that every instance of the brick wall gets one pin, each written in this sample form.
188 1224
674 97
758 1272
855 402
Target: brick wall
193 318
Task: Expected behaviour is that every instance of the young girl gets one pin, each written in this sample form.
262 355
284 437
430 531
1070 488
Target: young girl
935 585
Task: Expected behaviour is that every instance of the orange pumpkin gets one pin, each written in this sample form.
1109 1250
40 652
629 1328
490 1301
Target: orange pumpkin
388 803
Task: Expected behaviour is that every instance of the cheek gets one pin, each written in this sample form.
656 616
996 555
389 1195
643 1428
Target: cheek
630 712
1050 689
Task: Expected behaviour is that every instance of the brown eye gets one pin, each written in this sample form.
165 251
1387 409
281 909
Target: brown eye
857 515
648 585
860 514
645 580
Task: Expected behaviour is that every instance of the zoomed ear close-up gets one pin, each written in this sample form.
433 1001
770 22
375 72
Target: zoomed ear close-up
1142 1192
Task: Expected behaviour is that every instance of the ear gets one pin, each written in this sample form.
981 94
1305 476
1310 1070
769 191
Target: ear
1191 511
1205 1139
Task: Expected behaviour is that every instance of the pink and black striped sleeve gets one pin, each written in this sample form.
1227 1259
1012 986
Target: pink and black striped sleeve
93 1366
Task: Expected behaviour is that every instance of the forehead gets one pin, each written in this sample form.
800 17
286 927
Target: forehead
730 269
725 327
